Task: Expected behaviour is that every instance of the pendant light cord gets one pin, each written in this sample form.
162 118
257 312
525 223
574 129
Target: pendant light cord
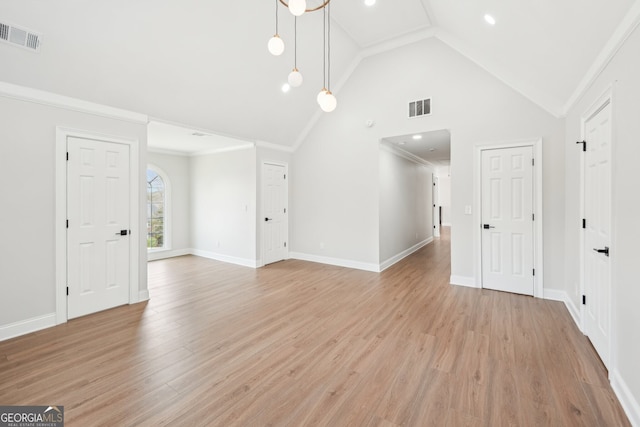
276 16
324 47
295 42
329 48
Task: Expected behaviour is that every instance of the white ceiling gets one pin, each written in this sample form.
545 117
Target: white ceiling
433 147
205 64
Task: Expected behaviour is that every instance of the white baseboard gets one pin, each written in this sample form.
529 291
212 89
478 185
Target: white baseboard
627 400
143 295
335 261
396 258
225 258
28 326
156 255
469 282
562 296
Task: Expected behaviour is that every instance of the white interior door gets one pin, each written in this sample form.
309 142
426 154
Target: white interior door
98 225
436 206
507 219
274 202
597 236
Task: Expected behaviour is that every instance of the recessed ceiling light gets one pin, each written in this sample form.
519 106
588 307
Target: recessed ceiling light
417 137
369 2
401 143
432 149
199 134
490 19
286 88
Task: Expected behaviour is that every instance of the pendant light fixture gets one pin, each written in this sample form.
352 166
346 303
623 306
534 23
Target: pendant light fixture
328 102
297 7
325 98
295 77
276 45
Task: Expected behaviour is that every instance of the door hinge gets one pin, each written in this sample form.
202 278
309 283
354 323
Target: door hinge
67 155
584 145
584 223
534 271
533 217
285 244
434 226
285 210
285 176
67 290
533 162
434 183
67 223
584 300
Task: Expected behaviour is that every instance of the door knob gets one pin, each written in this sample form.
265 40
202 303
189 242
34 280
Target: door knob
268 219
122 233
604 251
487 226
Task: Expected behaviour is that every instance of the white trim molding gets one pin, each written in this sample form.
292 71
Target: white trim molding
169 253
628 24
28 326
400 256
625 396
562 296
143 295
245 262
338 262
468 282
54 100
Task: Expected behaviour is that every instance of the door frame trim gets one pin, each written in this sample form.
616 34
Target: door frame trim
262 214
62 133
538 249
606 98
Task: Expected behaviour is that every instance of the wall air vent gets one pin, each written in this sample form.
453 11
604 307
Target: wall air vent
20 37
419 108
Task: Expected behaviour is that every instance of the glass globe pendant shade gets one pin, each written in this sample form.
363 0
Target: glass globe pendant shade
328 102
297 7
321 95
295 78
276 45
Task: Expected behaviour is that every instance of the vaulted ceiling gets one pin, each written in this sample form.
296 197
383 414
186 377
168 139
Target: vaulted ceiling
205 64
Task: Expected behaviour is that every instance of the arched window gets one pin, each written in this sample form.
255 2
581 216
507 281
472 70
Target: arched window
156 210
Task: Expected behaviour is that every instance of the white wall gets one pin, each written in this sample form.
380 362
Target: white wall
177 170
27 195
444 198
335 192
406 214
223 206
623 72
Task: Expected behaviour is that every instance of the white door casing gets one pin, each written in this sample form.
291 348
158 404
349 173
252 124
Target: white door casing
275 224
98 181
436 205
507 218
597 231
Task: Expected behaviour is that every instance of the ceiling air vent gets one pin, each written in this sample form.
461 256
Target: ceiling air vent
419 108
20 37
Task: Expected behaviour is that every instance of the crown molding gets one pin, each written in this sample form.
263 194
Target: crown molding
628 25
42 97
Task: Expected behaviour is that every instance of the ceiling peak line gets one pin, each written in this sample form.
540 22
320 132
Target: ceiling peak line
552 108
629 24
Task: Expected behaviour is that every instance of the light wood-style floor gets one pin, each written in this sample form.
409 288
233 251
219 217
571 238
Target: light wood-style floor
303 344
